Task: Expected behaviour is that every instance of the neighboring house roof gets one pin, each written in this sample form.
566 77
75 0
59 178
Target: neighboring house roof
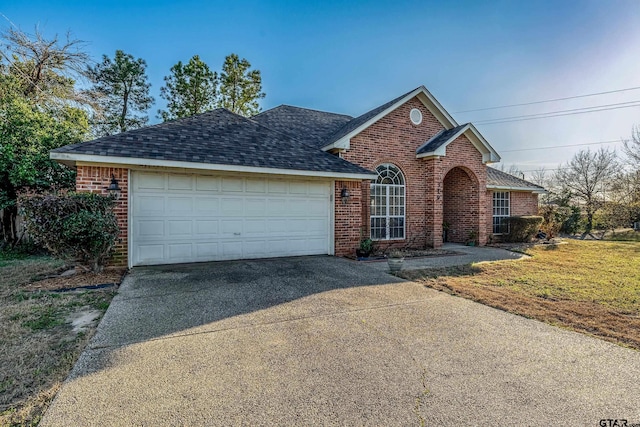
498 180
218 137
303 124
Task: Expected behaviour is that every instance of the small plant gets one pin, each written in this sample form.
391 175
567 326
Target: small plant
472 238
366 245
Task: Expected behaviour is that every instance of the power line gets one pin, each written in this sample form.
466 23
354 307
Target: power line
560 113
548 100
562 146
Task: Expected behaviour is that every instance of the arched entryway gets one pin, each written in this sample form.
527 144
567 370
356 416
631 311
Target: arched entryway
461 205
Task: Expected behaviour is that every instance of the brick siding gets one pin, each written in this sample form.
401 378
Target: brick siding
394 139
96 179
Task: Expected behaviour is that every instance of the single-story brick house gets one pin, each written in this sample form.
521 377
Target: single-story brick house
294 181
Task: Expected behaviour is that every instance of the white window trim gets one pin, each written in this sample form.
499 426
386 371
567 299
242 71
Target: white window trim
387 216
507 197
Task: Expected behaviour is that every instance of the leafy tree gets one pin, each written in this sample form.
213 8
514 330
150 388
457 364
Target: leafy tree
240 88
190 89
27 133
586 177
121 89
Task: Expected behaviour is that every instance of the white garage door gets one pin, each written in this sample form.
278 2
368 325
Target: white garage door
191 218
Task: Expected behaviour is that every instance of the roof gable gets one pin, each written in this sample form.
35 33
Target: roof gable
341 138
437 146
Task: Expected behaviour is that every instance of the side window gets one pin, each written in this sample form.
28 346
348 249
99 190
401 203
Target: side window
501 209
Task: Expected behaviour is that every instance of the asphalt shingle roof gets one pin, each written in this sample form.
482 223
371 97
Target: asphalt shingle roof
503 179
303 124
439 139
216 137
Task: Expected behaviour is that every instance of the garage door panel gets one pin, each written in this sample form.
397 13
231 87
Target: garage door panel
180 182
231 250
207 227
277 187
233 184
150 253
253 227
180 252
150 181
255 248
177 228
150 206
207 206
231 227
187 218
179 205
232 207
207 183
208 250
256 186
255 207
150 228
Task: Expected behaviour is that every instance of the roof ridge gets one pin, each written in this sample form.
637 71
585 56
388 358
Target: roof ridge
303 108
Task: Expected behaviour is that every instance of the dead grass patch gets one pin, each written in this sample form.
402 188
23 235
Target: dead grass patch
591 287
38 344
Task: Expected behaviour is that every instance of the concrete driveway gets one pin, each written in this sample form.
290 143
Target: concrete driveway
327 341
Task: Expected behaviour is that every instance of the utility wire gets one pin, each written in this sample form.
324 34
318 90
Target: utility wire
548 100
562 146
560 113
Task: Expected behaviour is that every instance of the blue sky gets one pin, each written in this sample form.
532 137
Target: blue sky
349 57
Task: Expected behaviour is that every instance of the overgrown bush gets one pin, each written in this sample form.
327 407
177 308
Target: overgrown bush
554 217
80 227
521 228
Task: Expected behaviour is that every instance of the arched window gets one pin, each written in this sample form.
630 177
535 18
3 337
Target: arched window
387 204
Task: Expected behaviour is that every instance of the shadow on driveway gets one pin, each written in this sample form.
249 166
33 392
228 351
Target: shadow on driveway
327 341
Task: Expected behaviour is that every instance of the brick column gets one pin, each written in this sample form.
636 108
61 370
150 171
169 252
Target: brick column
348 218
96 179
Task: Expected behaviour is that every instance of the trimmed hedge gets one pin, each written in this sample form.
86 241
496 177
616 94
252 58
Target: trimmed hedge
74 226
521 228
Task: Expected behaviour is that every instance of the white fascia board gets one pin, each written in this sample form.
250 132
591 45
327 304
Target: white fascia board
489 154
134 161
344 142
509 188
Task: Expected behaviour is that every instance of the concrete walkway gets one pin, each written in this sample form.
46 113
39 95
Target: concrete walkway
327 341
464 255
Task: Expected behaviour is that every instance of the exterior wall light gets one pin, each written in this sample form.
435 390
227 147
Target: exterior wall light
345 195
113 189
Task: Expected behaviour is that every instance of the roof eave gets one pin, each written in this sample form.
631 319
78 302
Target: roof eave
515 188
75 158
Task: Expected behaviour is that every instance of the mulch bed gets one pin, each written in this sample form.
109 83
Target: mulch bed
412 253
111 276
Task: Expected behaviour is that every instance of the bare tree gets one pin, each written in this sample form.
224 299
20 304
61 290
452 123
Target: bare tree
586 178
45 68
632 147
